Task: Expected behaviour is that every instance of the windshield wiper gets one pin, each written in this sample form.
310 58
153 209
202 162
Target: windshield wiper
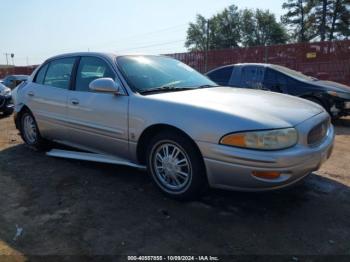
164 89
207 86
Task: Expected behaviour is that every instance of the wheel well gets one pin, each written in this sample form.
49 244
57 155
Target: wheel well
19 114
314 98
150 132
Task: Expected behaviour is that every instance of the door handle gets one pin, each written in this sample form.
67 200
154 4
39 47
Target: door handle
74 102
30 93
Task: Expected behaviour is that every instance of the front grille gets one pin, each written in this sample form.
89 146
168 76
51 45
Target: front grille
318 133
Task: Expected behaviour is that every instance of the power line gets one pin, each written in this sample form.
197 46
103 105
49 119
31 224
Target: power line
151 33
170 29
147 46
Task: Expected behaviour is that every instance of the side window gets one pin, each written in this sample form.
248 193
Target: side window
252 77
59 73
275 81
39 78
281 80
235 79
221 76
91 68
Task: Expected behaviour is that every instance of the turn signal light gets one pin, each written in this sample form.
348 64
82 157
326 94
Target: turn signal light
266 174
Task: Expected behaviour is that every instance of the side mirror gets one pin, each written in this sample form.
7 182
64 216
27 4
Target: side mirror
104 85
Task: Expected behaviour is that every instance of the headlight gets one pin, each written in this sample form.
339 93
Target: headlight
339 94
6 91
263 140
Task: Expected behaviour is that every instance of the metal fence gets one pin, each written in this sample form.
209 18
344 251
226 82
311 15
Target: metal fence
326 60
17 70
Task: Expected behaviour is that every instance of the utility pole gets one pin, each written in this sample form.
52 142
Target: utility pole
7 58
207 46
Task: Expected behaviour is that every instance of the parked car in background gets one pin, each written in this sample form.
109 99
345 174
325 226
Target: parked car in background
11 81
156 112
334 97
6 104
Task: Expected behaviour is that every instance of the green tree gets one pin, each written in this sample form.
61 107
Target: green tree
220 31
225 28
232 28
330 19
318 20
340 27
297 19
197 35
260 27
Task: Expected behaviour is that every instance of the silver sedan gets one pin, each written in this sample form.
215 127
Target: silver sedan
158 113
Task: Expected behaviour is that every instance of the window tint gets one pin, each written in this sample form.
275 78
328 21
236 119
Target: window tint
91 68
252 77
275 81
221 76
39 79
59 73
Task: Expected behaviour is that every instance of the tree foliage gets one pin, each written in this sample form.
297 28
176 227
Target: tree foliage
297 19
260 27
232 28
304 21
318 20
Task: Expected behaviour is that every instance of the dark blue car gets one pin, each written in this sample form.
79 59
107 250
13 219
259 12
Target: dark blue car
6 104
334 97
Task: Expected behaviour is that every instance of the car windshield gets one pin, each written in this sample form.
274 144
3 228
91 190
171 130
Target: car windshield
159 74
294 73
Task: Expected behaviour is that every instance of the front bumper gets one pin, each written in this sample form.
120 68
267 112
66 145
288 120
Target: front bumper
6 103
232 168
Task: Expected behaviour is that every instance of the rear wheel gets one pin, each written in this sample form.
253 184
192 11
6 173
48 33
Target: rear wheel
176 166
30 132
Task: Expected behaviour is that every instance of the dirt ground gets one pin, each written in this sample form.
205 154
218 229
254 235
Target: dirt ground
54 206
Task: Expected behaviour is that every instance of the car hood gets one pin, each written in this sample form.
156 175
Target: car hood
332 86
257 109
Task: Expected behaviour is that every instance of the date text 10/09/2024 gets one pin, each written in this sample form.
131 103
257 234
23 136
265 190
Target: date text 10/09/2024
173 258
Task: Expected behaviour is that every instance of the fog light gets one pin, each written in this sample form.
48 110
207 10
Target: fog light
266 174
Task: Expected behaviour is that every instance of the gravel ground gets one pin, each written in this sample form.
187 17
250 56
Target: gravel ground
63 207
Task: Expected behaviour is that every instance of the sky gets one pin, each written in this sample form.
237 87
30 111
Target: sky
35 30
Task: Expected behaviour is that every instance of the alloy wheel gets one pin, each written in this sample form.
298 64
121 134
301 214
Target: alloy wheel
172 166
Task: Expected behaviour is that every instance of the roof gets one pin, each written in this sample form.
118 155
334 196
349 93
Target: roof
241 64
102 54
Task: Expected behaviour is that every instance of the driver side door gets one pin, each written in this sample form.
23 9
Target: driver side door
98 121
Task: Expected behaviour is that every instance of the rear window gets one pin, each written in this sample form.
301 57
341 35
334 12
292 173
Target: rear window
59 73
221 76
39 78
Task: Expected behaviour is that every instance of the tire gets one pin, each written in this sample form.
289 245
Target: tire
30 132
176 166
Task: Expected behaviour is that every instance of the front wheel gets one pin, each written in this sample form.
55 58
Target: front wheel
176 166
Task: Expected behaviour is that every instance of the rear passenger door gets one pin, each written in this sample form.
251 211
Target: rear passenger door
47 97
98 121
